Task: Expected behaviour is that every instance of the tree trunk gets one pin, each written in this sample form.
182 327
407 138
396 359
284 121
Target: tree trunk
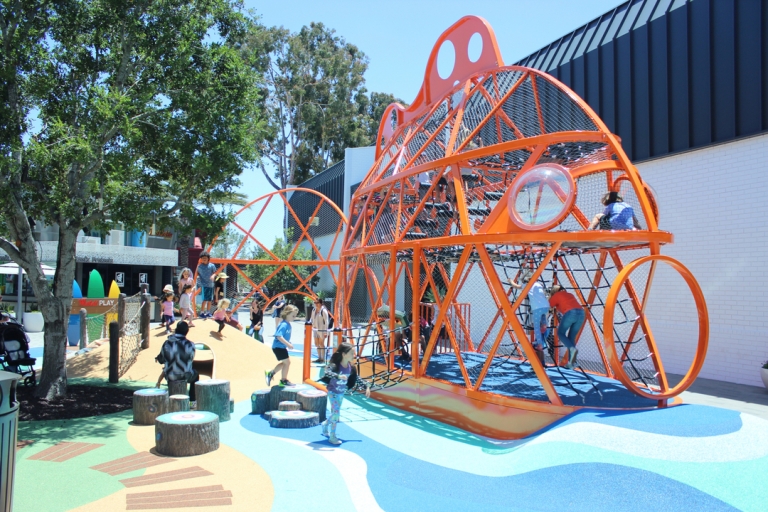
55 308
184 251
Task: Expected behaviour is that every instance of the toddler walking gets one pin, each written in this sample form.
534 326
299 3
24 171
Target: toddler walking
185 304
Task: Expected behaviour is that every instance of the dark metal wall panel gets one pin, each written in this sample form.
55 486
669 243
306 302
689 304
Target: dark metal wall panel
641 100
701 73
749 101
669 75
659 80
723 70
624 91
679 97
607 110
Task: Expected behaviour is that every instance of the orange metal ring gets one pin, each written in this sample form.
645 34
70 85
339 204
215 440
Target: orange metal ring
701 307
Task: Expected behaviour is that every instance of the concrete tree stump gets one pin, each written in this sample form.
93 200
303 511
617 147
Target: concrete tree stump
285 393
260 401
178 403
289 405
314 400
213 396
177 387
148 404
293 419
183 434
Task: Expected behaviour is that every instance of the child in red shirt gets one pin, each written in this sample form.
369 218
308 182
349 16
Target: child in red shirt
570 323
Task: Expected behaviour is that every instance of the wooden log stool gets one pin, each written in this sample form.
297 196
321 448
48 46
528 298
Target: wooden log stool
213 396
314 400
148 404
293 419
182 434
285 393
178 403
177 387
289 405
260 401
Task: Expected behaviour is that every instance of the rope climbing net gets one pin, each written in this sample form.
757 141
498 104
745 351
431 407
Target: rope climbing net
130 335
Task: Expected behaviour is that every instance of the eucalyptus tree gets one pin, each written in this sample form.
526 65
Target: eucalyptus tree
117 112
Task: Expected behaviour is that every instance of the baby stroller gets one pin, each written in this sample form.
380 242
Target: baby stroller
14 353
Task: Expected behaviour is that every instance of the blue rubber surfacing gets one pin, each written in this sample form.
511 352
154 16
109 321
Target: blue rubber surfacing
398 480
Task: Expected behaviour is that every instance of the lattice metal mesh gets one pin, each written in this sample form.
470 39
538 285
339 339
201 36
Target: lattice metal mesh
560 112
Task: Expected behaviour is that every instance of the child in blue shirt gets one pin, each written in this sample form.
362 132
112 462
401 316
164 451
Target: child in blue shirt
282 344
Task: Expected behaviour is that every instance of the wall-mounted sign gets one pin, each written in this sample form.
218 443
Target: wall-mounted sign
120 279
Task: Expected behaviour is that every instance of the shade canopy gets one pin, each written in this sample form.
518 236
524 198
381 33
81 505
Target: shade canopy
12 269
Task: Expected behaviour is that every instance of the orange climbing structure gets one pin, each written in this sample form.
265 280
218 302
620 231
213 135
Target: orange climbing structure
310 245
492 171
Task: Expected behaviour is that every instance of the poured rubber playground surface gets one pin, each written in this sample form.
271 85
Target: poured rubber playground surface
685 457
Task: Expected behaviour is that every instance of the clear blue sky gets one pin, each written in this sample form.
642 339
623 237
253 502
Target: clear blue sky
398 36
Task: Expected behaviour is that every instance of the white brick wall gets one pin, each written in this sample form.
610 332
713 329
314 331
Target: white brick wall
715 202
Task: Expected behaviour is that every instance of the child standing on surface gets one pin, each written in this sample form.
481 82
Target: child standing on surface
340 376
257 319
185 304
205 275
282 344
168 318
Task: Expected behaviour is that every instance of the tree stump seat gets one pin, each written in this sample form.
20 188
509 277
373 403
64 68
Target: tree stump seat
314 400
213 396
178 403
289 405
260 401
183 434
148 404
285 393
177 387
293 419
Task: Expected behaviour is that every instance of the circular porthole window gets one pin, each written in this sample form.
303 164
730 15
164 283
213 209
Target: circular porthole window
541 197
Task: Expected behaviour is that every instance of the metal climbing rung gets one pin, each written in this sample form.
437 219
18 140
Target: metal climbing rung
425 223
439 206
493 196
482 212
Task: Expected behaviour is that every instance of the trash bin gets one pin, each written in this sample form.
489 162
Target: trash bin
9 426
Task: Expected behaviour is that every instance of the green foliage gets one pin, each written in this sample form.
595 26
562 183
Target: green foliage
284 280
128 112
138 113
315 100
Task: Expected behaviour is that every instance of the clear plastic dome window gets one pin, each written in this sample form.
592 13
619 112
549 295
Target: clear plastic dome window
541 197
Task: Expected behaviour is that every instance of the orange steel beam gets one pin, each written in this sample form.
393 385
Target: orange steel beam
588 314
541 373
511 320
640 238
649 339
441 320
504 147
416 314
493 110
701 308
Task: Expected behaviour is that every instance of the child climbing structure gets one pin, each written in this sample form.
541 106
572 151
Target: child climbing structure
492 176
